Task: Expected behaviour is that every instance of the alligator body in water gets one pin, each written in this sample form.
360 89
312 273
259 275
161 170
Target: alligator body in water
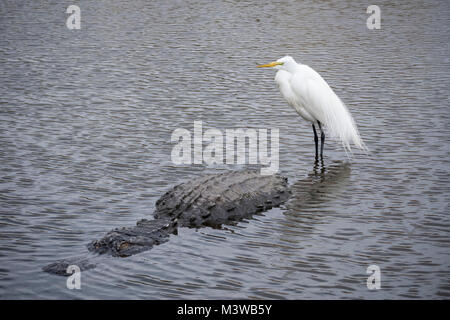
208 201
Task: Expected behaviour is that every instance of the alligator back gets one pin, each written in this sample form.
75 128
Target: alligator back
216 199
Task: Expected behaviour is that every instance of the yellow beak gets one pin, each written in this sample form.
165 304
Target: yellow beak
272 64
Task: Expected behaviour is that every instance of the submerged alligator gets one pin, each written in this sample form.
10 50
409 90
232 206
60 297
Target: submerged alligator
208 201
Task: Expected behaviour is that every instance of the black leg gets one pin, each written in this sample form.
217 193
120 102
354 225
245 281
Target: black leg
322 139
316 141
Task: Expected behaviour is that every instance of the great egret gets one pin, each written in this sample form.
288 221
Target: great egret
313 99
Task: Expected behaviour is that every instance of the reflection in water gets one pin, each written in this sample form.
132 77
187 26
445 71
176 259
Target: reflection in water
322 184
308 204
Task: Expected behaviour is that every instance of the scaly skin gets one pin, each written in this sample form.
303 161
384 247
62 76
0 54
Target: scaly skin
208 201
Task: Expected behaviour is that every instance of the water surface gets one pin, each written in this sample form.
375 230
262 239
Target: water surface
86 118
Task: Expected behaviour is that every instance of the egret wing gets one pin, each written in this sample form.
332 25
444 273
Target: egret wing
322 103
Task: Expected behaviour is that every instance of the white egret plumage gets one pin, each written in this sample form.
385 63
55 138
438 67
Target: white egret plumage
313 99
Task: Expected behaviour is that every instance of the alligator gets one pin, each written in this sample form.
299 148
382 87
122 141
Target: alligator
211 200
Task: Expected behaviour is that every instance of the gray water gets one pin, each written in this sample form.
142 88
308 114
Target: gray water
86 118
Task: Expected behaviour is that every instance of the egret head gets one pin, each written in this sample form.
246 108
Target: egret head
286 63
